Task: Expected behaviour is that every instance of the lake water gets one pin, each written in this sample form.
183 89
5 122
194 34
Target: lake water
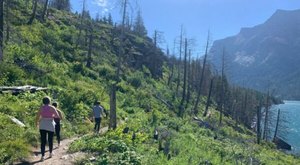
291 112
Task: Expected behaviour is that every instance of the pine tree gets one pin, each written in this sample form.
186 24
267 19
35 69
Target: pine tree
61 5
110 20
139 27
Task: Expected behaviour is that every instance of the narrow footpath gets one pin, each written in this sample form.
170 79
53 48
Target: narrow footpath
61 155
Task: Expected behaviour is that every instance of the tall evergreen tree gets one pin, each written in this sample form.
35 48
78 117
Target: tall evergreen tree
61 4
110 20
139 27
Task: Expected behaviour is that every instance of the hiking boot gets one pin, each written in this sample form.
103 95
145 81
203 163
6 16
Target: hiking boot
50 155
42 158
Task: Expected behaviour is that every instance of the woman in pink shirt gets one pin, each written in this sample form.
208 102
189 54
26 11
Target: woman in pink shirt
45 119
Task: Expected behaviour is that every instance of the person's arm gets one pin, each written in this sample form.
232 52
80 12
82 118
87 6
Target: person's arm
92 115
55 113
37 119
104 111
60 114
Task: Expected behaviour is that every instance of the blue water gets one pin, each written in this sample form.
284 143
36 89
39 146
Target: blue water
291 111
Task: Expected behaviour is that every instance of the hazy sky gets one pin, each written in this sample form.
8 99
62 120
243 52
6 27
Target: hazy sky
222 18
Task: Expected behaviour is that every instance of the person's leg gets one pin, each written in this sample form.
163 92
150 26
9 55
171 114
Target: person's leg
97 124
50 141
57 131
43 141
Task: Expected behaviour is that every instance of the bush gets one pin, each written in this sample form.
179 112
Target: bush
8 150
109 150
136 79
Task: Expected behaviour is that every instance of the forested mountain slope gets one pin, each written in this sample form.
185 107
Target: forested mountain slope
265 56
80 60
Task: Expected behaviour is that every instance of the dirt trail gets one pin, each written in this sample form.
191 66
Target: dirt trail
60 157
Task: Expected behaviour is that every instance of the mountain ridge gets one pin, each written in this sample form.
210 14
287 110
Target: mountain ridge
262 56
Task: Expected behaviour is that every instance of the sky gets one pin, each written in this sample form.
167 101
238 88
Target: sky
222 18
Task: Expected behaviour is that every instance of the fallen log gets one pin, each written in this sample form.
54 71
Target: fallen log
16 121
281 144
169 105
202 123
20 89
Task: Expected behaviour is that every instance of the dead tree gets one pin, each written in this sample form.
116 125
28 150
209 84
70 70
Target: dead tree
277 123
89 55
113 100
266 128
222 88
33 15
179 61
208 98
202 78
181 108
189 81
45 9
7 19
258 116
172 61
1 26
81 17
157 38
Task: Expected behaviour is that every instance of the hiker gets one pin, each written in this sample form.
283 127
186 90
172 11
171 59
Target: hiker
45 119
57 122
98 112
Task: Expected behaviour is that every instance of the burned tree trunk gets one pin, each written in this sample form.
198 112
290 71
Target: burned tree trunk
277 123
179 61
189 81
113 99
208 98
266 128
33 15
222 88
45 9
113 108
258 113
89 57
181 107
201 80
1 27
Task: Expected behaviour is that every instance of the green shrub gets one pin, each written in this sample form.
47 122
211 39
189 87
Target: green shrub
8 150
135 82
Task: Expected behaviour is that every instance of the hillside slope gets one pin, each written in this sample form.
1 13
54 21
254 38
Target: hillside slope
53 53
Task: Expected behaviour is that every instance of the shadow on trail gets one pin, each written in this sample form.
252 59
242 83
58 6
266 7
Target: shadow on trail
36 153
31 163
